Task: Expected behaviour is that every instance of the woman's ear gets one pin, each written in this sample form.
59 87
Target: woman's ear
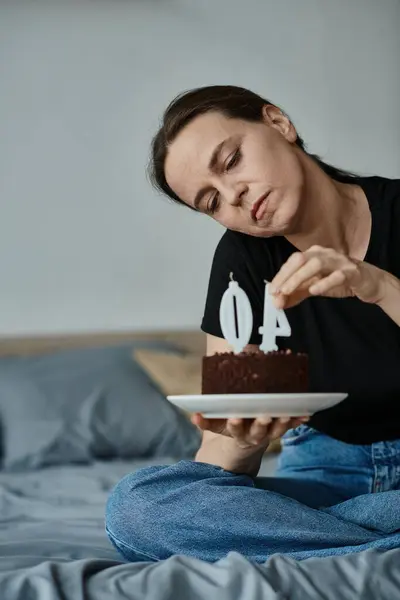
274 117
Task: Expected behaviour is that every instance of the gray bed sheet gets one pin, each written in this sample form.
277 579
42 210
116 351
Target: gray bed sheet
53 545
58 512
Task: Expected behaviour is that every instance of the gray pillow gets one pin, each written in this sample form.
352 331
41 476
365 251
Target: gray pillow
79 405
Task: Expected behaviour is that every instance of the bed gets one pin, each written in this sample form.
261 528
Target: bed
64 404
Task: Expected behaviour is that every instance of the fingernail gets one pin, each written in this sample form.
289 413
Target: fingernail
279 301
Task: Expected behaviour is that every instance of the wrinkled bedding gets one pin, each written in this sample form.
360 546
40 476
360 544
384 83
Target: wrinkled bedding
58 513
368 576
53 545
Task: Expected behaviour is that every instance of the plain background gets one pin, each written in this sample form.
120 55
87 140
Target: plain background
85 244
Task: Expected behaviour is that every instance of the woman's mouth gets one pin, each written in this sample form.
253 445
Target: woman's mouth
258 208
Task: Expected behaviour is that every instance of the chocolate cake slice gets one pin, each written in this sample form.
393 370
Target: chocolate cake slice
277 372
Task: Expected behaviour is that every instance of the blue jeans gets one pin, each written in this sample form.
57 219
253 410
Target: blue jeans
323 501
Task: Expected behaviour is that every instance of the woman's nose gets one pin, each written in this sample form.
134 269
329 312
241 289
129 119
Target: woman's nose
236 194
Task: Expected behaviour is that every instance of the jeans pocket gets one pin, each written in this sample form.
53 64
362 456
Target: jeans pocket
296 436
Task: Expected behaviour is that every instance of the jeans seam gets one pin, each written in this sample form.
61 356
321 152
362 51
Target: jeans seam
130 546
377 479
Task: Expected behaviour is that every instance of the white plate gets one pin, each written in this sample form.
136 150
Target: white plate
221 406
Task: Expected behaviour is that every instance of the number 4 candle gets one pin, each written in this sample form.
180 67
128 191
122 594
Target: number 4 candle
275 324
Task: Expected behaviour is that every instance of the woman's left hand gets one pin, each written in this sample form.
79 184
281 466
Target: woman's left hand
325 272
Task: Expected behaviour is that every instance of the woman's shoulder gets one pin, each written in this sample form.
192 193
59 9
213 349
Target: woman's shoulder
378 188
261 255
231 248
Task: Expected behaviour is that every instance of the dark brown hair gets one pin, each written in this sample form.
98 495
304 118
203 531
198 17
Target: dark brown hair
231 101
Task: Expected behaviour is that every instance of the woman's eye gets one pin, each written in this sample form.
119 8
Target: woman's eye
234 160
213 204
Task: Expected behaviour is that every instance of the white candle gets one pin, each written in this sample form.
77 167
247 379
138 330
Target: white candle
269 329
240 338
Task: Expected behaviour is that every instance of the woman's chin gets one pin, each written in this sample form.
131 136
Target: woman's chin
276 225
270 228
266 227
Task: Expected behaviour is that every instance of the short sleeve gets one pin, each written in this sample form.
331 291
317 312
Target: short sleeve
230 258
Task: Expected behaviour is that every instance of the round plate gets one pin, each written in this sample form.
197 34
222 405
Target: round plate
222 406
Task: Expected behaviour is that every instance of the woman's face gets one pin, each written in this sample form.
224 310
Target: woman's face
247 176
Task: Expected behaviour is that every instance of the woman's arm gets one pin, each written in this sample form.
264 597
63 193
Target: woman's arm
390 301
325 272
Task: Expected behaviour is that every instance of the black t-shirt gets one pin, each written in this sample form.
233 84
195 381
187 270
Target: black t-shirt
353 346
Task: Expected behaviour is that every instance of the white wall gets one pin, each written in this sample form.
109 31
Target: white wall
85 244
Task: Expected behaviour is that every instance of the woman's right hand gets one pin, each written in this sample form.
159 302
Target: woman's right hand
249 433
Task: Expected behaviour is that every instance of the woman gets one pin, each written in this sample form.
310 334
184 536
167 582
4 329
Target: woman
329 243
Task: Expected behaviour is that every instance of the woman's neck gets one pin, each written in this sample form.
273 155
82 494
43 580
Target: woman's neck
333 214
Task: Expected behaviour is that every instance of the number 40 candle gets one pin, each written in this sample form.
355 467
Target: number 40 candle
236 319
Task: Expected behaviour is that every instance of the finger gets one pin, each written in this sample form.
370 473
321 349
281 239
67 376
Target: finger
197 420
282 302
301 279
259 430
279 427
294 262
327 284
298 421
236 428
214 425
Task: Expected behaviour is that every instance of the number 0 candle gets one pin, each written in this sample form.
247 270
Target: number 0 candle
235 308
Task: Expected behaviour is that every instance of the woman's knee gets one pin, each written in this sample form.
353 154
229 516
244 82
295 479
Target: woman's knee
131 521
147 510
161 511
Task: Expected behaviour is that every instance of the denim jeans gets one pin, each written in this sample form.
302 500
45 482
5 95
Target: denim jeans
325 499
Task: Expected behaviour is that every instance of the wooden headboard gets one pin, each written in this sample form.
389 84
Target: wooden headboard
192 341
